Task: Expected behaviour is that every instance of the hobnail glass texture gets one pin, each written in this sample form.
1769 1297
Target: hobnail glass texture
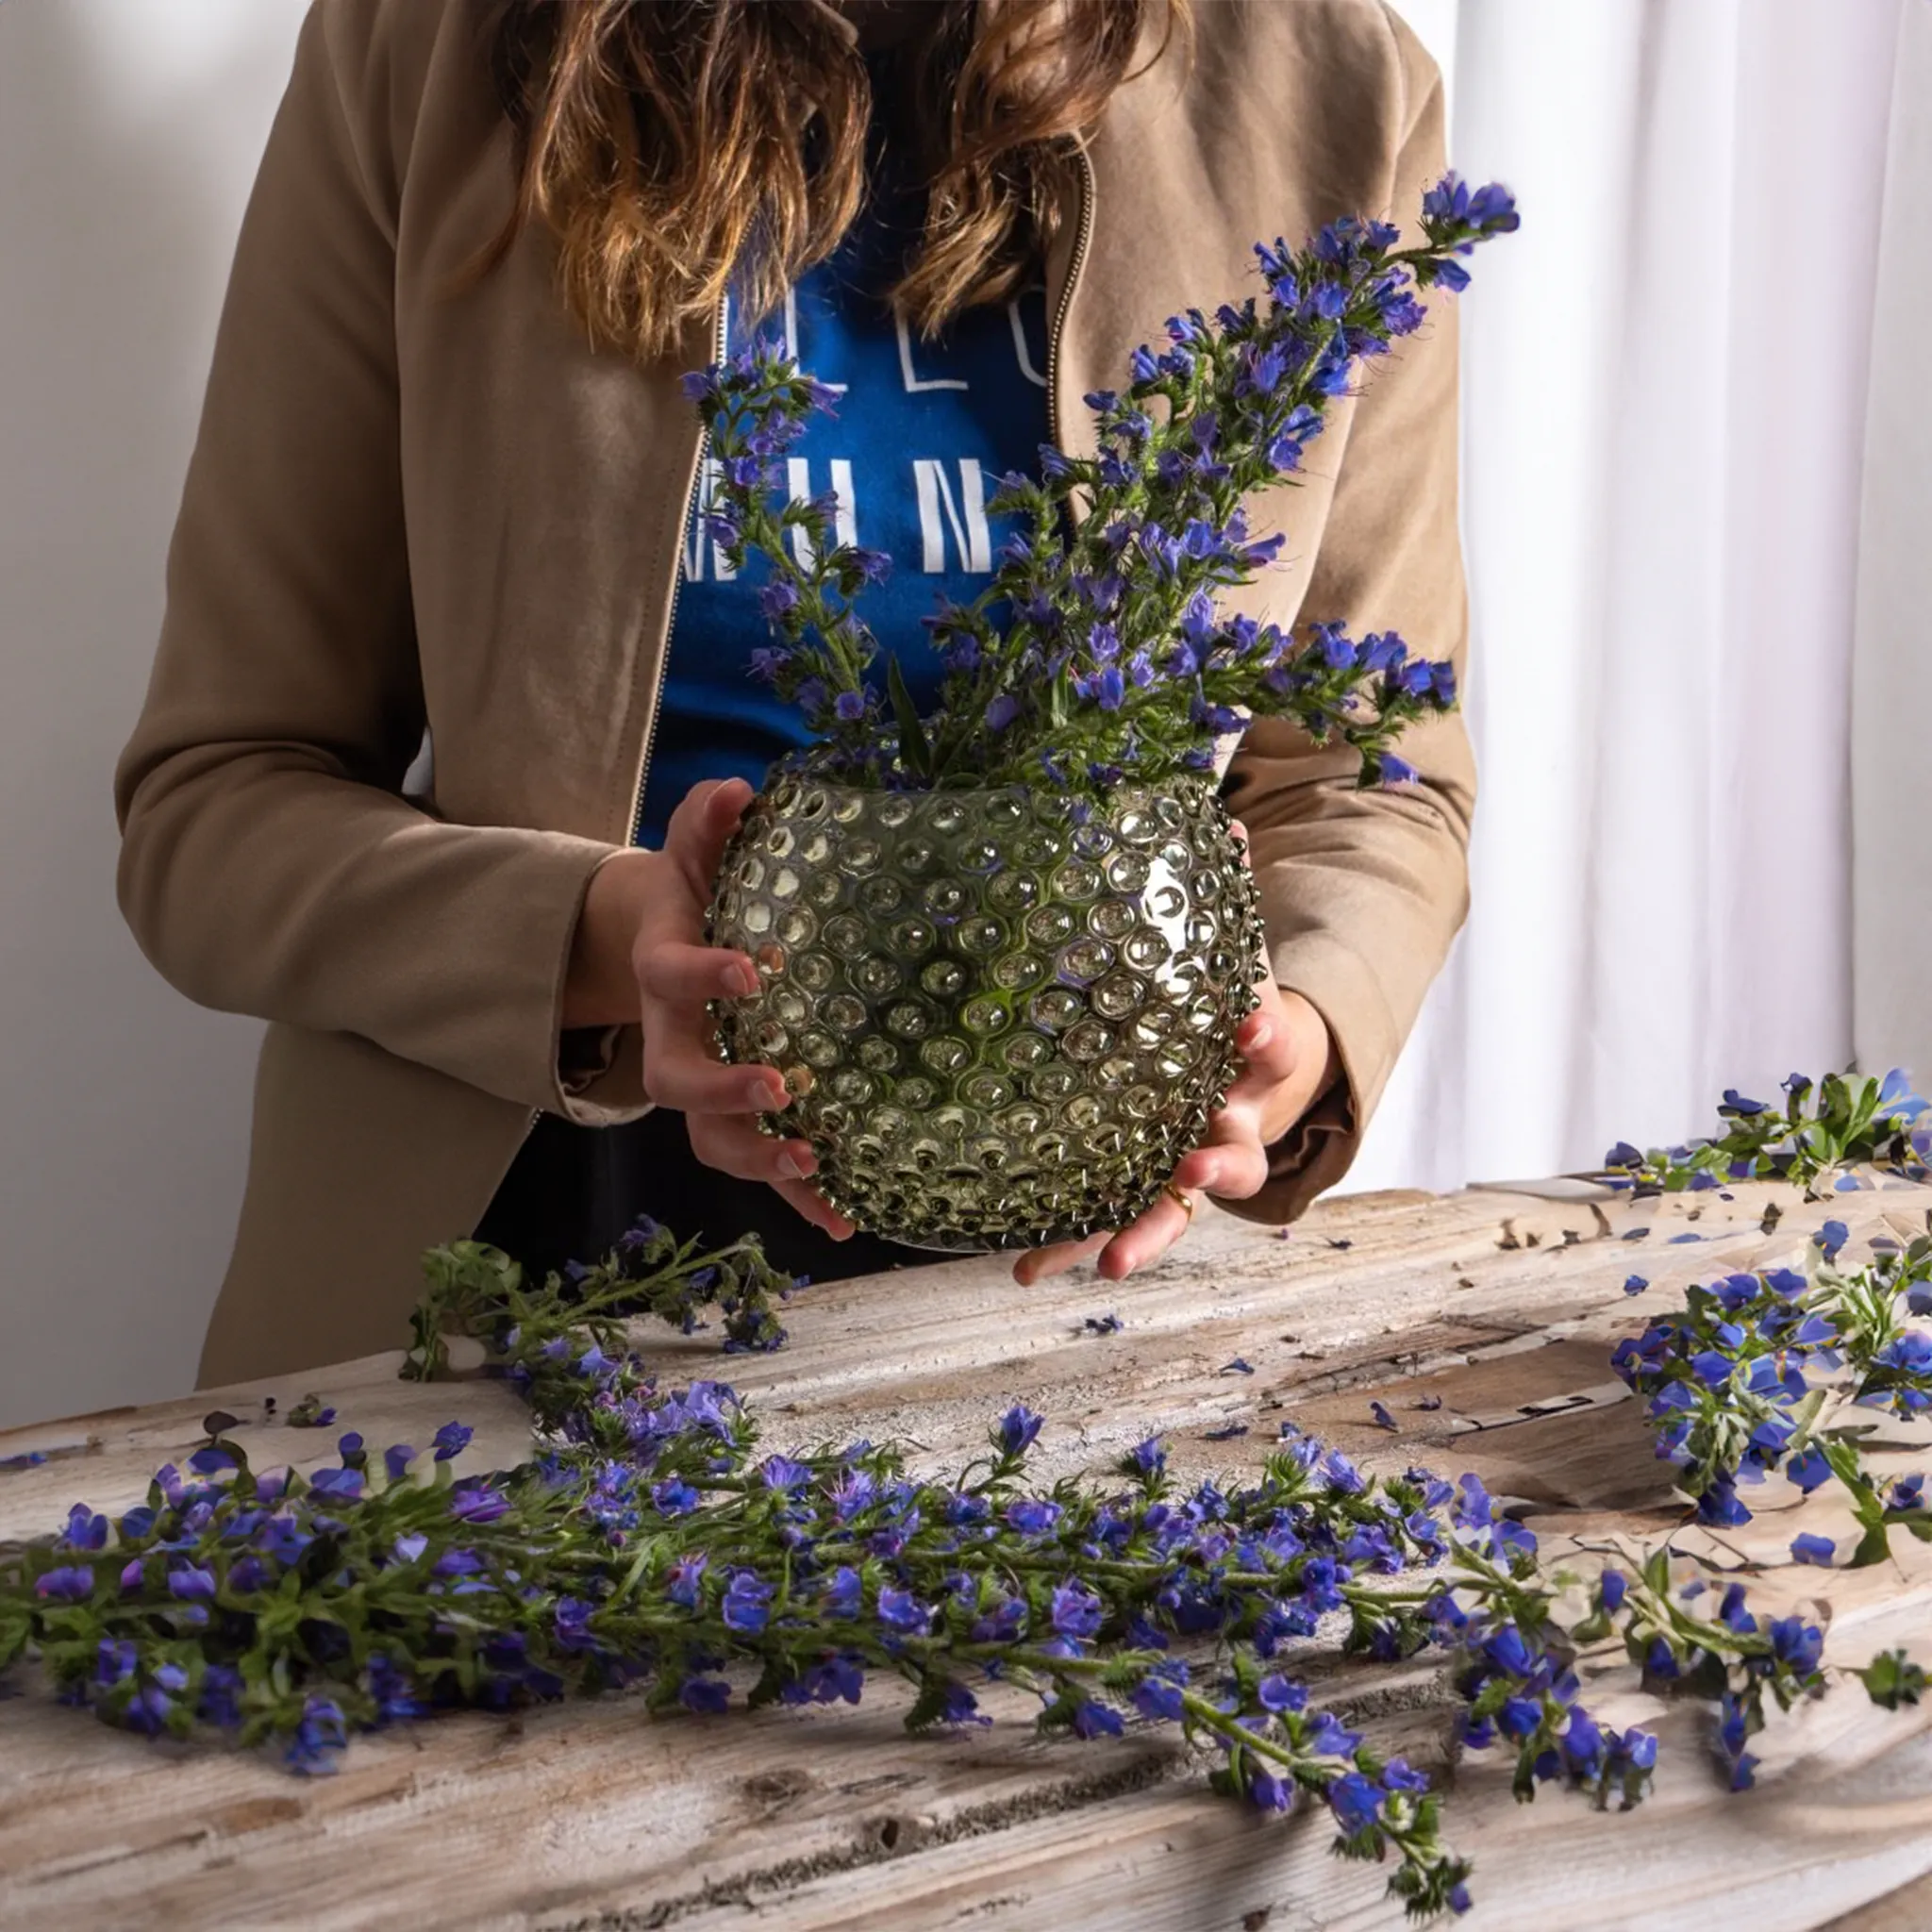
1003 1015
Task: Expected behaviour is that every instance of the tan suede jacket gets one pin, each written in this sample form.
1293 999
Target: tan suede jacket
409 508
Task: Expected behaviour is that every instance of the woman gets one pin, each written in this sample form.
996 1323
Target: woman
444 478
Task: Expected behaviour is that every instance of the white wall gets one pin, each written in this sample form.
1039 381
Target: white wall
130 133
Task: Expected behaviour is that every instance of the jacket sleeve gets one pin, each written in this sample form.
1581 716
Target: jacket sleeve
1362 892
268 863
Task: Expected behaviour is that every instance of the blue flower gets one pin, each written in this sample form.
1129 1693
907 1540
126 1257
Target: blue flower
1356 1803
85 1530
452 1439
853 1492
1269 1791
747 1603
1909 1353
1161 1692
1635 1284
190 1583
1582 1741
1032 1515
1795 1642
899 1610
1076 1611
1832 1237
1507 1652
475 1501
1017 1430
684 1580
782 1473
1710 1366
1908 1492
673 1496
1001 712
71 1585
844 1595
1092 1719
1518 1717
319 1738
959 1706
1614 1586
1278 1694
709 1696
1807 1548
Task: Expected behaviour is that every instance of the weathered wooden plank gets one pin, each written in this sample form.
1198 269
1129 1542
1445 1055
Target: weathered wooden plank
593 1815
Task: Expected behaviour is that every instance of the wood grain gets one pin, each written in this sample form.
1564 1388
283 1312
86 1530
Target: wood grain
1499 1305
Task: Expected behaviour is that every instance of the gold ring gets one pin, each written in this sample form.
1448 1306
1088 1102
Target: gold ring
1182 1199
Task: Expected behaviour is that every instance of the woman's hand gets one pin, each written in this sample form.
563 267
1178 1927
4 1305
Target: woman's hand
1291 1062
640 955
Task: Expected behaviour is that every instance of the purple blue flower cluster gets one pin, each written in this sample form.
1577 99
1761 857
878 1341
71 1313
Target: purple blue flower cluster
1738 1380
651 1542
1824 1129
1097 648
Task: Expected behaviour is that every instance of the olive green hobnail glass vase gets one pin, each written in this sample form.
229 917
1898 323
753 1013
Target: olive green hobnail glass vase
1004 1015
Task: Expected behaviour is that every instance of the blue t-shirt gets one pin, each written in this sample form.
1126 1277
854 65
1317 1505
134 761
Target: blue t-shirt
921 436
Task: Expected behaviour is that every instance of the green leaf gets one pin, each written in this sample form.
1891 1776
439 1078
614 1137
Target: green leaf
1891 1679
914 748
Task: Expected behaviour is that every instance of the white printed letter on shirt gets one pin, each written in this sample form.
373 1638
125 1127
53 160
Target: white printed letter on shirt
935 497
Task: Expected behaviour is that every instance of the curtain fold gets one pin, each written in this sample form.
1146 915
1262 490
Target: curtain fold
1665 380
1891 692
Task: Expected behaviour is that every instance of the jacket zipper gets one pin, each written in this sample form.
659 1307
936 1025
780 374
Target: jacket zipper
1075 262
637 797
697 483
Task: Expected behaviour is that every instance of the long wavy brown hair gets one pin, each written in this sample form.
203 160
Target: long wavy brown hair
671 145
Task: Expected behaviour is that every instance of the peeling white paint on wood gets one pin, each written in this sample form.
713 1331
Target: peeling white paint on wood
1501 1304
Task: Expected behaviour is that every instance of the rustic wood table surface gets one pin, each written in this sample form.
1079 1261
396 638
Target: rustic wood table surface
1501 1303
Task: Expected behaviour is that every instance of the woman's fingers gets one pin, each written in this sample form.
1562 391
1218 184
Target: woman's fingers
678 1074
733 1145
816 1210
688 975
1039 1264
700 829
1266 1041
1145 1240
1232 1161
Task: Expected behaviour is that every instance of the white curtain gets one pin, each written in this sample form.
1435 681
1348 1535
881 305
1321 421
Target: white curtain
1891 703
1665 393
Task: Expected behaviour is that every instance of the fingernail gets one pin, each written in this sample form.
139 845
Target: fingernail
742 980
796 1167
1262 1034
766 1096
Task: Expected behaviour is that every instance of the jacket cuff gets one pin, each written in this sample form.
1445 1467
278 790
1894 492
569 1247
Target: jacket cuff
600 1076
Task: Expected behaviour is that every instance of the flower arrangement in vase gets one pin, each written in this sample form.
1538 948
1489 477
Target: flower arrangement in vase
1004 947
